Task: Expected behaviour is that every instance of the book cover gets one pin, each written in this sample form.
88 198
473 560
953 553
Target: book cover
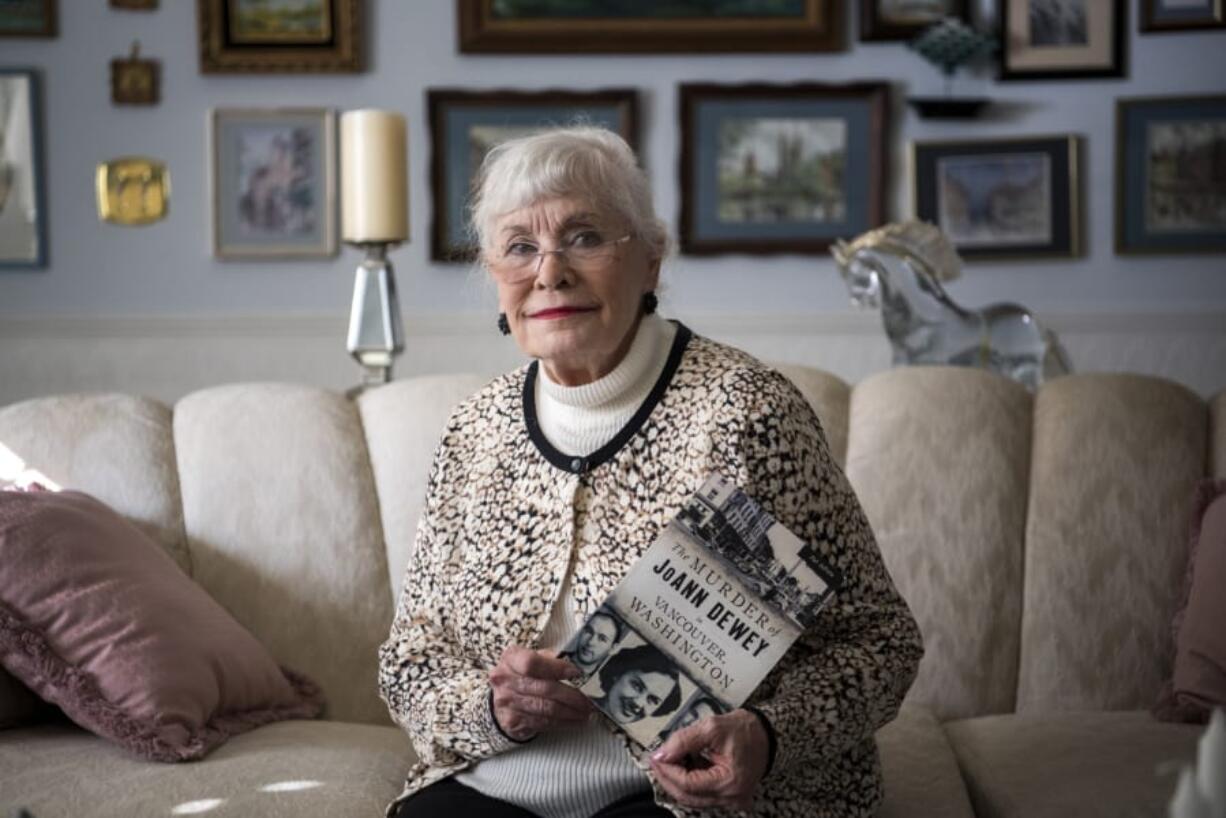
701 618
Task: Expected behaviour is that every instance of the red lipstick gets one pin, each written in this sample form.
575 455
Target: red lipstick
559 312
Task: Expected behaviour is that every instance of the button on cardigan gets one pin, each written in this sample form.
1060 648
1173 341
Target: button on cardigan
504 512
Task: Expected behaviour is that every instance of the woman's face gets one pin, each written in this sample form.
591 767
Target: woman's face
595 640
578 318
637 694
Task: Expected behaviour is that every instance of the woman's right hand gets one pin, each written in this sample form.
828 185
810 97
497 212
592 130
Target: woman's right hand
529 696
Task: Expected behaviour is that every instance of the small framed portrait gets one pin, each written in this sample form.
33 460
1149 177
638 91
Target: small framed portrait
780 168
135 81
273 182
1062 39
624 26
1001 198
135 5
465 125
1170 184
286 36
904 19
1181 15
28 18
23 211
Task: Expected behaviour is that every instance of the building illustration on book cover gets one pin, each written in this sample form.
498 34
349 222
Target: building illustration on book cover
701 618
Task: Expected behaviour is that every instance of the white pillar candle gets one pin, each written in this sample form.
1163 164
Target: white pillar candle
1211 763
374 189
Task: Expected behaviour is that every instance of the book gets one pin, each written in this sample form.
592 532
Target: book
701 618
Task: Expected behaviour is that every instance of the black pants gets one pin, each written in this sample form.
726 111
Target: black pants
451 799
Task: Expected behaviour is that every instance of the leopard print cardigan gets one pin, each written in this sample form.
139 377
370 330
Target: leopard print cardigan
506 513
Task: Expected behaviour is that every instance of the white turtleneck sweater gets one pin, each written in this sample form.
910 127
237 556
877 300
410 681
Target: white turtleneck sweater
574 772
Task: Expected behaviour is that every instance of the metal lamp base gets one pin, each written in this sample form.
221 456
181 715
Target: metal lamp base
376 334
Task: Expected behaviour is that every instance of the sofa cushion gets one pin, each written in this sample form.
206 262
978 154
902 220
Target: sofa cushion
1087 764
1198 683
96 618
1116 461
282 521
919 769
939 457
303 769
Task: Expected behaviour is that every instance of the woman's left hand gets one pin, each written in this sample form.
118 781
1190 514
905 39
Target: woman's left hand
733 746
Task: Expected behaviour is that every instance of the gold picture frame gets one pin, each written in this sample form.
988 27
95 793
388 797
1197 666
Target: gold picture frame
135 81
515 27
237 36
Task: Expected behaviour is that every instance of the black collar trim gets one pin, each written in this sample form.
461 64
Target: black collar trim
581 465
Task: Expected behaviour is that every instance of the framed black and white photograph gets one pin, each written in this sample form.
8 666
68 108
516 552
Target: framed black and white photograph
885 20
781 168
626 26
465 125
1181 15
1001 198
23 210
1170 188
283 36
273 182
1062 39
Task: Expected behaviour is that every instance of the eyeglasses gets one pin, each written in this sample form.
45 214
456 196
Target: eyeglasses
583 252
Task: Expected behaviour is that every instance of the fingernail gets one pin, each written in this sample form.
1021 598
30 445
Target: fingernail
658 755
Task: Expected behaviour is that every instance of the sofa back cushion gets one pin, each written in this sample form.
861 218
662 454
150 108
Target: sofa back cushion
117 448
1115 464
404 422
939 458
283 526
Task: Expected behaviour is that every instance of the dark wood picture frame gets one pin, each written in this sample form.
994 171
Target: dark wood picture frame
454 163
1012 46
1134 118
818 28
866 110
1153 20
1063 204
340 51
873 28
46 21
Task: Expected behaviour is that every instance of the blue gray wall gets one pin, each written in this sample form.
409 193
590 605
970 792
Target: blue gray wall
166 269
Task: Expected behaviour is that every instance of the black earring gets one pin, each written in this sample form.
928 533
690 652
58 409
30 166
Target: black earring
504 326
650 302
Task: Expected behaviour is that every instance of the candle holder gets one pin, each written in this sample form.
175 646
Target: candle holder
376 334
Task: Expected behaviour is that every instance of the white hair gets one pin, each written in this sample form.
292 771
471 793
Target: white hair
591 163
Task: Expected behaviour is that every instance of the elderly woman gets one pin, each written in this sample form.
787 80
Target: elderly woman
551 481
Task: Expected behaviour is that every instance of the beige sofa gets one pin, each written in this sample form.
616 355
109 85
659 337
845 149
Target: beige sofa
1039 539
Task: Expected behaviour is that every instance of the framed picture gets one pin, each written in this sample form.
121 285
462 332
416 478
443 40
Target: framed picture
904 19
135 5
273 182
286 36
781 168
1062 39
464 125
1170 184
27 18
622 26
1181 15
1001 198
135 81
23 211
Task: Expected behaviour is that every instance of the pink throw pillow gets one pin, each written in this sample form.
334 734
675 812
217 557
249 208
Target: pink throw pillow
96 618
1198 683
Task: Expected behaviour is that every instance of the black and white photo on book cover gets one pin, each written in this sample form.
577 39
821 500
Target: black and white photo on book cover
701 617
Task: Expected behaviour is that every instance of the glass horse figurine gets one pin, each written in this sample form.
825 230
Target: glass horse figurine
899 268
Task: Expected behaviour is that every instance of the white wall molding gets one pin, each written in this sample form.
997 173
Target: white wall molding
168 356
